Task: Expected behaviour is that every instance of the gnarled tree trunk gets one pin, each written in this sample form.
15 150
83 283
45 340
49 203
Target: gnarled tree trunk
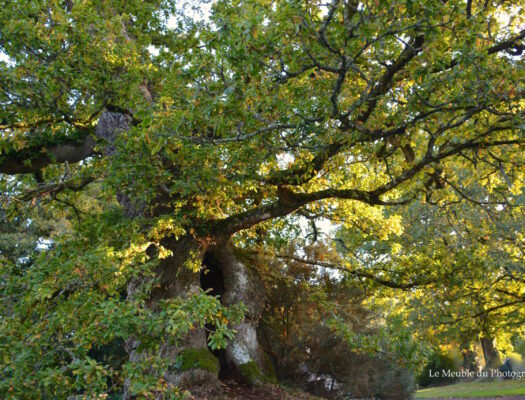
244 356
227 274
490 352
175 279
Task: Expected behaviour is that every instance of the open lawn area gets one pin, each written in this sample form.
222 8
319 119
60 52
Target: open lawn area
475 389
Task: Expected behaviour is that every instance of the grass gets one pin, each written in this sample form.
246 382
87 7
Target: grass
475 389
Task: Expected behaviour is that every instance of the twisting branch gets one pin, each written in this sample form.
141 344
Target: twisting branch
357 273
35 158
290 201
52 190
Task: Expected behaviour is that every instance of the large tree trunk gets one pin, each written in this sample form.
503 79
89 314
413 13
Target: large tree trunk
244 357
469 357
490 352
175 279
228 275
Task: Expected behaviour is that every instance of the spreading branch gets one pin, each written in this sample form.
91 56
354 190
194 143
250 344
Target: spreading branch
35 158
53 189
289 201
358 273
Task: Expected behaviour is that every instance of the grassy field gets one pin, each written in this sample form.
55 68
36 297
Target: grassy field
475 389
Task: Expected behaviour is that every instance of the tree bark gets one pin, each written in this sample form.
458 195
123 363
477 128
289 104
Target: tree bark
469 357
244 357
175 279
243 354
490 352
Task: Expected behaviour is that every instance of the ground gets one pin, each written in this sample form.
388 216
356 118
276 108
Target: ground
481 398
495 390
231 390
500 390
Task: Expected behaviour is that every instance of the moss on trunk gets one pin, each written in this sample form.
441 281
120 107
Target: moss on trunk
251 374
198 359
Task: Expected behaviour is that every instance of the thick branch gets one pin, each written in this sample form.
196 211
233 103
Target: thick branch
35 158
508 44
110 123
290 201
53 189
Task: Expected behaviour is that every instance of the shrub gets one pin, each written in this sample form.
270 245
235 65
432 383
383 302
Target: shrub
438 361
309 353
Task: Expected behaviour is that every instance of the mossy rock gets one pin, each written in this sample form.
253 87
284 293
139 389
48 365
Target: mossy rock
251 374
198 359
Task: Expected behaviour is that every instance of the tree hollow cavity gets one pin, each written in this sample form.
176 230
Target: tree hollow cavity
212 279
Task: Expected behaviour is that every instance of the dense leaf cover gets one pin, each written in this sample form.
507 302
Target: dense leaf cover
401 122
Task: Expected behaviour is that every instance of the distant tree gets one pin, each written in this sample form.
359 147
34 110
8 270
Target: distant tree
460 265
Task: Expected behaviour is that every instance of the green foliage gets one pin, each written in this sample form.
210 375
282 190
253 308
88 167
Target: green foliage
70 301
459 267
401 122
439 362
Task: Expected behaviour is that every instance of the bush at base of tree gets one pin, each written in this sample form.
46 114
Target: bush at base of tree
310 352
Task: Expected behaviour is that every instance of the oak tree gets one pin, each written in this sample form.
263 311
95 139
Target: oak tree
170 133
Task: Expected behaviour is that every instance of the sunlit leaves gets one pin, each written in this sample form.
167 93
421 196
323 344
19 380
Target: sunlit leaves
417 100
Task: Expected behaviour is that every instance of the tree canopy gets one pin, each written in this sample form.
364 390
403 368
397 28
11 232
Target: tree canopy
143 141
